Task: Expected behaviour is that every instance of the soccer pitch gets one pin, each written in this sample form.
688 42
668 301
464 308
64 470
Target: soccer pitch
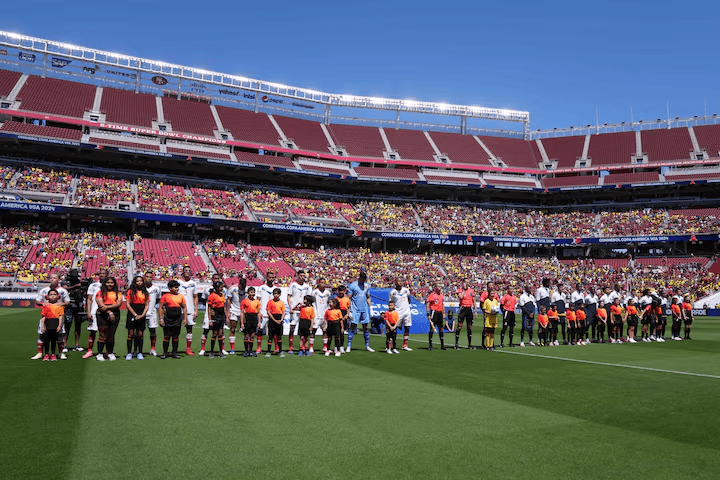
647 410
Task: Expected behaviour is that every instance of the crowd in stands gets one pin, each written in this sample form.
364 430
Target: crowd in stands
229 260
6 174
104 251
50 252
370 215
42 180
218 202
99 192
159 197
166 258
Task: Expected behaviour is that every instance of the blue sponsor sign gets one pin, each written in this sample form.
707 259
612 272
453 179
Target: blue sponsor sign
26 57
378 306
59 62
30 207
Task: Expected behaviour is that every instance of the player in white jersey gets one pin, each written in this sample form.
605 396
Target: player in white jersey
264 294
151 315
91 307
322 296
63 301
297 292
235 295
188 289
400 296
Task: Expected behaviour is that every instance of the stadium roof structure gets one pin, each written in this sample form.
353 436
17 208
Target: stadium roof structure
98 65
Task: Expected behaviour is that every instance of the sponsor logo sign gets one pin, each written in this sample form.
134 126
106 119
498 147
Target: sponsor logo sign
158 80
59 62
26 57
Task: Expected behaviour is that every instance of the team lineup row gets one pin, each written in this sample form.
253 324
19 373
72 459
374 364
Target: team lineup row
580 318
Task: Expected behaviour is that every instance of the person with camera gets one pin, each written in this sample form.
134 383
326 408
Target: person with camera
74 312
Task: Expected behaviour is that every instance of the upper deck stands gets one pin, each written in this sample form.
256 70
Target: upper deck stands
189 116
59 97
565 149
128 108
198 153
306 134
375 172
460 148
509 182
73 134
708 137
248 126
690 177
664 144
359 141
612 148
513 152
620 178
441 177
123 144
270 160
8 80
572 181
410 144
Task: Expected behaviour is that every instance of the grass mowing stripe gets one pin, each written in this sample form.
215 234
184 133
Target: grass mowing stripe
608 364
39 405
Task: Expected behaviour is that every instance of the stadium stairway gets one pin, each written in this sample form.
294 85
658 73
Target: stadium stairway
208 264
132 265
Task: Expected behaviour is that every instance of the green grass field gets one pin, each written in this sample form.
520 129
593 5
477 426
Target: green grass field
536 413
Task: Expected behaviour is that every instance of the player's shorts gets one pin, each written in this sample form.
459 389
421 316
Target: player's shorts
359 318
293 318
663 320
405 320
263 322
465 315
275 329
437 318
590 317
554 325
491 321
191 320
509 319
234 317
632 320
218 323
645 320
333 329
92 325
317 323
304 327
171 331
133 324
152 321
688 321
528 323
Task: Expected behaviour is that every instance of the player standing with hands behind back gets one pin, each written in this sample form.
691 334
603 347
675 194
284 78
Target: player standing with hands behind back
173 309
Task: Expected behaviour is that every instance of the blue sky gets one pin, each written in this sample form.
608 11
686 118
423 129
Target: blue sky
559 60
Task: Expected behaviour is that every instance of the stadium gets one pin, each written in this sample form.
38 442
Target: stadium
109 161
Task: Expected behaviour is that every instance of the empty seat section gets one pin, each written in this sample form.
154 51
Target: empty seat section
572 181
618 178
663 144
460 148
694 176
565 149
513 151
128 108
410 144
189 116
708 137
270 160
198 153
306 134
248 126
59 97
358 140
612 148
8 80
120 143
41 131
402 173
